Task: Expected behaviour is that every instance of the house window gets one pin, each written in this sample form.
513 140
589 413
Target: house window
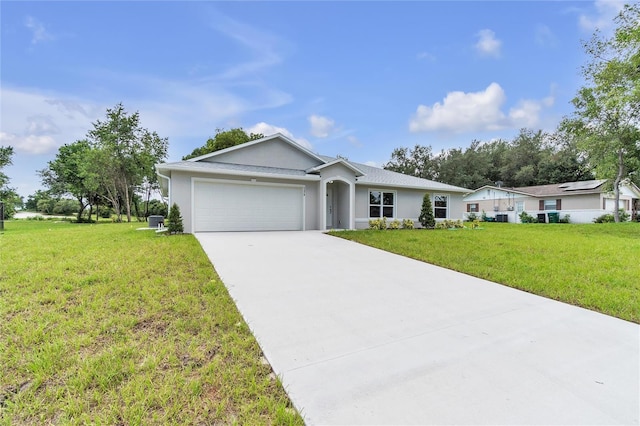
473 207
550 205
440 206
519 206
382 204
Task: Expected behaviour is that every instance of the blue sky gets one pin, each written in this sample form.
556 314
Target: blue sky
351 78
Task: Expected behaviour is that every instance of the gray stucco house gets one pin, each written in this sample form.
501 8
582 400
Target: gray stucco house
274 183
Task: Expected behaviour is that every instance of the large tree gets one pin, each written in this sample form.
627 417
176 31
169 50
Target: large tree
224 139
124 154
8 195
69 174
419 161
531 158
606 120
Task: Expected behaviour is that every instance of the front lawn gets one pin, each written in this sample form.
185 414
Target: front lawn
104 324
596 266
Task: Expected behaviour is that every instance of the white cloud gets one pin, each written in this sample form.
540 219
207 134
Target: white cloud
462 112
488 44
266 49
354 141
602 19
30 144
544 36
38 32
39 123
426 56
321 126
269 129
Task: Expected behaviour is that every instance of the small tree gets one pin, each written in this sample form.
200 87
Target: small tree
174 225
426 214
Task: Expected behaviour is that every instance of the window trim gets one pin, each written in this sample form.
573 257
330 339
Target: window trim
382 205
557 204
470 207
446 208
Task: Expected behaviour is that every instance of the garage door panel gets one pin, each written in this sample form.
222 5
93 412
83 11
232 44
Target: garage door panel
220 206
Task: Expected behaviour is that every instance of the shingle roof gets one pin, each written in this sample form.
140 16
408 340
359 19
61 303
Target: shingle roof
567 188
372 175
378 176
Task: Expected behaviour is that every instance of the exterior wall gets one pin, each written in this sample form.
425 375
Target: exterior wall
181 193
408 203
344 197
580 208
501 205
581 202
276 153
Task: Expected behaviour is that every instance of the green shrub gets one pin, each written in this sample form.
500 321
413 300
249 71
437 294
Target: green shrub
527 218
175 225
157 208
426 214
450 224
395 224
472 216
374 224
565 219
407 224
610 218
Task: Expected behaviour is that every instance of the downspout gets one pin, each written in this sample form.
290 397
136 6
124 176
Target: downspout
168 188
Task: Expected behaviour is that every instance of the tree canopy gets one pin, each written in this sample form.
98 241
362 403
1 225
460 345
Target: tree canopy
8 195
606 120
531 158
117 157
222 140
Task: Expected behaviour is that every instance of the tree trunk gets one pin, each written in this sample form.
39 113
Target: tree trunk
127 202
616 186
146 204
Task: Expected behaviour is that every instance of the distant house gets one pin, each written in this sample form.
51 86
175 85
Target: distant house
583 201
274 183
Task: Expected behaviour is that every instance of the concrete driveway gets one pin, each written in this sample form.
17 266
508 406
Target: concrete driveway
361 336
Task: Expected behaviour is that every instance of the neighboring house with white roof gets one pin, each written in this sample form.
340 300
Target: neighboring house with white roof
582 201
274 183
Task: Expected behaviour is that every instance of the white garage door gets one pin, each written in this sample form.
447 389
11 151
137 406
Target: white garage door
222 206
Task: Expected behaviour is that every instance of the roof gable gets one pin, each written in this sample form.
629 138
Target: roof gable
345 163
276 151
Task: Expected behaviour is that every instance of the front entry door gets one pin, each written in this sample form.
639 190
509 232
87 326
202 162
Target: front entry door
329 207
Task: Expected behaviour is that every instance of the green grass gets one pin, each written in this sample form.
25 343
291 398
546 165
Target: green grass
596 266
104 324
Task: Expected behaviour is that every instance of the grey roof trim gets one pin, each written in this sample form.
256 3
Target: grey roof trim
425 188
501 189
237 170
255 142
348 164
387 178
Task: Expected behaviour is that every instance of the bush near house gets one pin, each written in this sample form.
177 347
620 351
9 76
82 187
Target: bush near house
426 217
174 221
610 218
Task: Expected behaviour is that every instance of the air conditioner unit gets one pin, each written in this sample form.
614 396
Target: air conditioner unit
496 208
510 208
